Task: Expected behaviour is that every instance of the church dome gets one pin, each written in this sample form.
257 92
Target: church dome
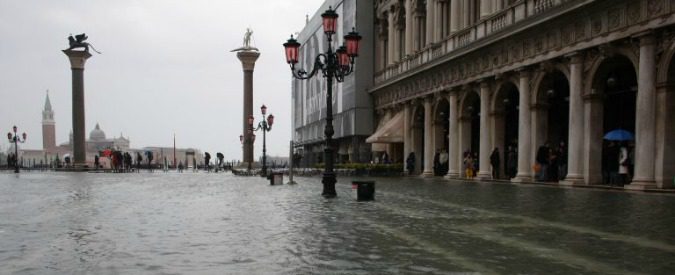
97 134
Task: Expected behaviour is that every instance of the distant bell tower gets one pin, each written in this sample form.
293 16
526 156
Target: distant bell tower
48 126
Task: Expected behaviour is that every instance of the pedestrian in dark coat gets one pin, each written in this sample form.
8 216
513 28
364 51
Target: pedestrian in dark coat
410 163
494 161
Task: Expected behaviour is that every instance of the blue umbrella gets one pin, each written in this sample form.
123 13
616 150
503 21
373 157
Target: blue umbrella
619 135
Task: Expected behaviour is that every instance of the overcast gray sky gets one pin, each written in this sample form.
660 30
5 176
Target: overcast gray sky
166 67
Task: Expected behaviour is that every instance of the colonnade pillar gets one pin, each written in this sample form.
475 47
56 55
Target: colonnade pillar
408 27
485 8
454 15
428 139
453 136
645 135
576 122
524 129
484 156
390 38
430 22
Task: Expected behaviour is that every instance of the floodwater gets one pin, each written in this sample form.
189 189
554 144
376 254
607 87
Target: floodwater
206 223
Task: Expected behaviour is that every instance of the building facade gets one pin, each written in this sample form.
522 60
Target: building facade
352 104
474 75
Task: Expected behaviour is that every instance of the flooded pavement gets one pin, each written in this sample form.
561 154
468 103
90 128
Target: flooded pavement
157 223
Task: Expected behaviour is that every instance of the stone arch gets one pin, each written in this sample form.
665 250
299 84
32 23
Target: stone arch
417 135
611 91
589 87
551 119
504 120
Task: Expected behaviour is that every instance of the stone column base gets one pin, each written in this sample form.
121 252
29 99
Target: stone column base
522 178
572 181
452 175
427 174
640 185
484 175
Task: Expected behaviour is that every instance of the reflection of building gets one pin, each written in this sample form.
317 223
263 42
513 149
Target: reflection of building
351 104
473 75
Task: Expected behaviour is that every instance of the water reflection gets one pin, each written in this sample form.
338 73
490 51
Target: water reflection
216 223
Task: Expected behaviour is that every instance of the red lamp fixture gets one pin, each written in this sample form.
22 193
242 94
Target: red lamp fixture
263 109
241 139
14 128
329 21
9 136
352 40
342 57
292 47
24 135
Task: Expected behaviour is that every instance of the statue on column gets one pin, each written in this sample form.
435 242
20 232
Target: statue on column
79 42
247 42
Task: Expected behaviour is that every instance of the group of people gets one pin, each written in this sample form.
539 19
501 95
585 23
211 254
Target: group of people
120 161
551 163
617 164
510 162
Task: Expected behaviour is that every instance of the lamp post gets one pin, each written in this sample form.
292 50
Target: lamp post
333 65
265 125
14 138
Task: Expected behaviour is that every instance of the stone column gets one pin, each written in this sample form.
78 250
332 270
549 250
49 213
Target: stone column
430 22
408 28
576 122
454 15
407 141
391 31
524 130
466 13
77 61
438 21
485 8
428 139
645 124
453 138
248 58
484 156
592 148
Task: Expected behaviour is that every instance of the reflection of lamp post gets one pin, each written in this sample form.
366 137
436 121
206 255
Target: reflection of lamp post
14 138
265 126
332 64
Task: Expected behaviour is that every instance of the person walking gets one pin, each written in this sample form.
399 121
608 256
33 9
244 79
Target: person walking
623 165
512 162
436 164
562 161
468 165
542 159
139 160
410 163
443 162
494 161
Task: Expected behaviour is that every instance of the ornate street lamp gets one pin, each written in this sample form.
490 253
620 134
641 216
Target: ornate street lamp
333 65
14 138
265 125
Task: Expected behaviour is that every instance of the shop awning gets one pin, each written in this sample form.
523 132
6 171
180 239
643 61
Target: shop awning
390 132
